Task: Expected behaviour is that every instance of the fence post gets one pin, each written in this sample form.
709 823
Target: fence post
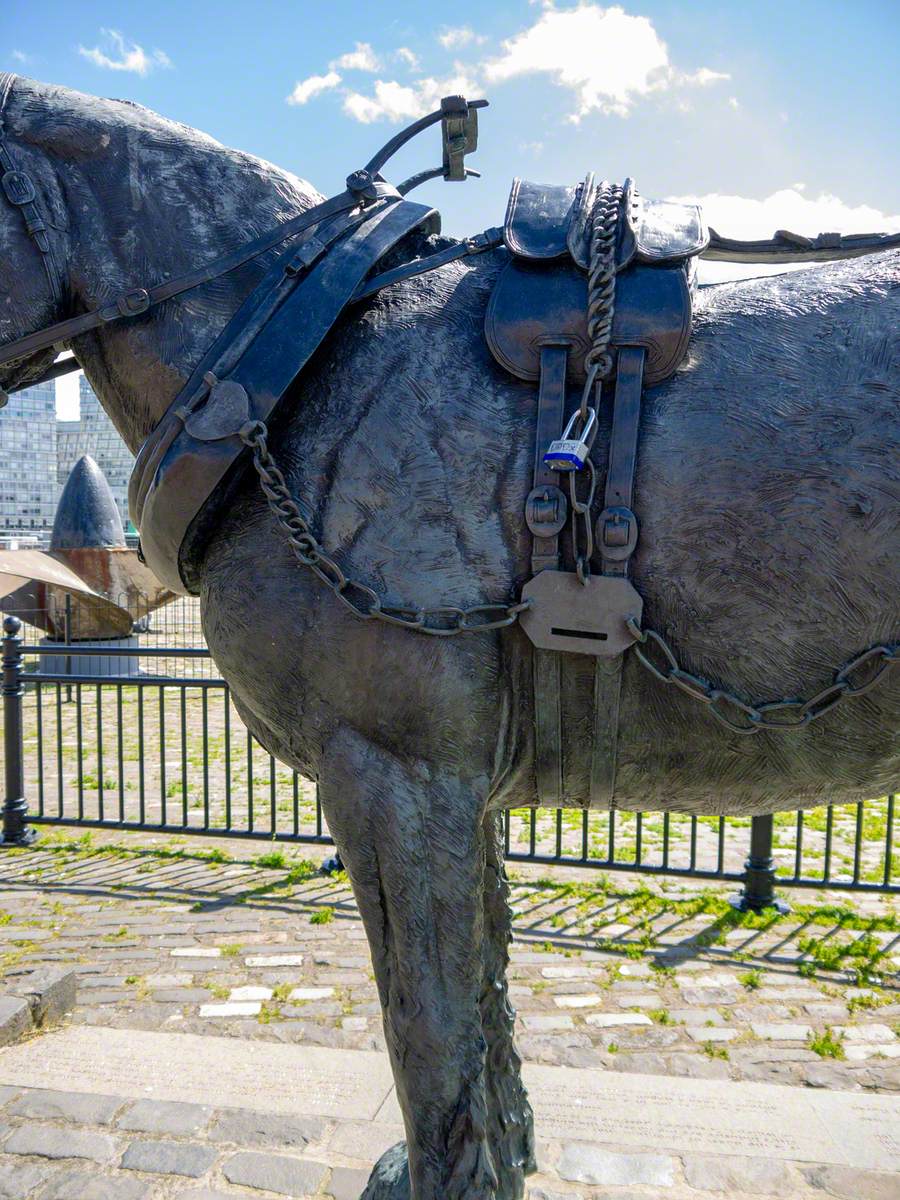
16 830
758 892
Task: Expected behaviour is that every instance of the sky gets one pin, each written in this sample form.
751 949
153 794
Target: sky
774 115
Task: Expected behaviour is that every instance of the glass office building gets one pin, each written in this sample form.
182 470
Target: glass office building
95 434
29 486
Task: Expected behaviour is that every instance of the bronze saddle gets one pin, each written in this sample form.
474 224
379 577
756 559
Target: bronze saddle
562 289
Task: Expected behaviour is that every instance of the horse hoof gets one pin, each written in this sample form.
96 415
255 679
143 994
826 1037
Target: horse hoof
390 1176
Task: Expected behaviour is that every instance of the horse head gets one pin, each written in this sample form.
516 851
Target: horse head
126 199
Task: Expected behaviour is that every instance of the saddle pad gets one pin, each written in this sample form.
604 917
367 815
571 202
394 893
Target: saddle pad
532 306
550 221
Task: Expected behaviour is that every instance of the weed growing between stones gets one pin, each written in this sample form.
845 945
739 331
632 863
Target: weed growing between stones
826 1045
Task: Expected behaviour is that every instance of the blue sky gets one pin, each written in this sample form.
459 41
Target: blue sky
775 114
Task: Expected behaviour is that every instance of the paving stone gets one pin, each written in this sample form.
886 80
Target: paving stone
7 1093
364 1141
243 1008
274 960
715 1034
755 1176
172 980
849 1184
180 995
781 1033
15 1019
582 1162
346 1183
542 1022
713 995
165 1116
355 1024
610 1020
245 1128
311 993
196 952
238 994
169 1158
46 1141
586 1000
50 991
205 1194
578 972
80 1107
18 1179
275 1173
865 1033
83 1185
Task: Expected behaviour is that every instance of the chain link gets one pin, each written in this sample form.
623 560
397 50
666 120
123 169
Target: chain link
359 598
855 678
601 285
598 361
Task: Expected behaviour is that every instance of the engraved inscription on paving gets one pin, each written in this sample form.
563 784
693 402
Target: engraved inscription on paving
713 1117
306 1080
869 1126
703 1116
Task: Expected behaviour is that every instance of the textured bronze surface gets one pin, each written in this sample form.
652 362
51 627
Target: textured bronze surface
767 486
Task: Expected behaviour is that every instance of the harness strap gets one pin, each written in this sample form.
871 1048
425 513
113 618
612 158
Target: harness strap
21 193
545 513
196 445
617 535
140 299
787 247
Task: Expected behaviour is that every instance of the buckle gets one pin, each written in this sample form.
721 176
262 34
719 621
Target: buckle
131 304
18 188
616 533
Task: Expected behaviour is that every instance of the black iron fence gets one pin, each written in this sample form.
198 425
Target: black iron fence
165 751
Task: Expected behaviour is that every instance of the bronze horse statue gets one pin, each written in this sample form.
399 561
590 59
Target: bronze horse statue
767 479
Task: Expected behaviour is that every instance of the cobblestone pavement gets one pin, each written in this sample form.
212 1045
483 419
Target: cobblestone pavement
608 972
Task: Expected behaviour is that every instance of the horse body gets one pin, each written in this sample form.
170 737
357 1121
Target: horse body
767 491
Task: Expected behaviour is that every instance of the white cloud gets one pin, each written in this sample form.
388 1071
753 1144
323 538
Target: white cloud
394 101
748 219
131 56
362 58
405 55
462 35
733 102
605 56
20 56
700 78
305 89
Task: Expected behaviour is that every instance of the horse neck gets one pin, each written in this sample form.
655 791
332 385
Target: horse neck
148 200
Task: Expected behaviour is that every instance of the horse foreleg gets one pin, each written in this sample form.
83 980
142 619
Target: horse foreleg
510 1120
412 841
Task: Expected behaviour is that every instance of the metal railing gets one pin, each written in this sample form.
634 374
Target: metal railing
168 753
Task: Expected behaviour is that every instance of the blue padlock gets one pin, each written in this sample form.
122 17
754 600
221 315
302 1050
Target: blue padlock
571 453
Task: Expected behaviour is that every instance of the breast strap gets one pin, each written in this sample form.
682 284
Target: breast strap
245 375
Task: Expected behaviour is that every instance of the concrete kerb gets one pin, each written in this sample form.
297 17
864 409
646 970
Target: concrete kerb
35 1001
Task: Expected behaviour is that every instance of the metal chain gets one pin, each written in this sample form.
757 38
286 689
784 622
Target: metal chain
359 598
602 284
776 715
598 361
581 514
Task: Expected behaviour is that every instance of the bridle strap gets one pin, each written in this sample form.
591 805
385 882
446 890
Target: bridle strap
140 299
20 191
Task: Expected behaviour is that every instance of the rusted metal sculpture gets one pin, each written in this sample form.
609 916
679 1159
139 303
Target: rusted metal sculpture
401 460
89 585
